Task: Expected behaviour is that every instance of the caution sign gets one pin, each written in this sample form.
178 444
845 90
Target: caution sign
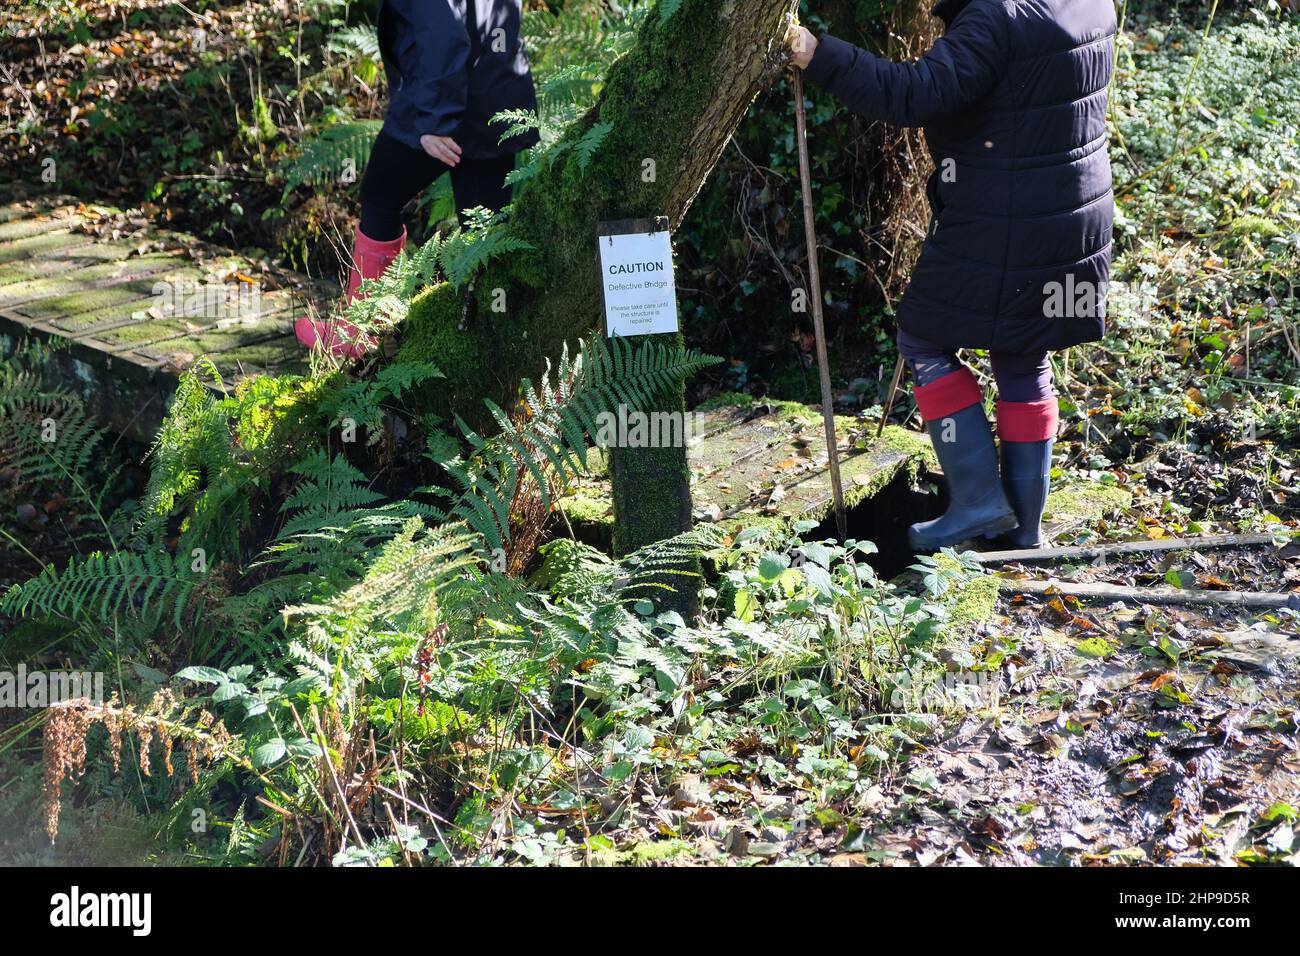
636 269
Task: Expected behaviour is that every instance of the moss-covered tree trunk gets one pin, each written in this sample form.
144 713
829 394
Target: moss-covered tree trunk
671 105
668 108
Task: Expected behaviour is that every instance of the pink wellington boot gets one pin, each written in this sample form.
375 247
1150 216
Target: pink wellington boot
342 339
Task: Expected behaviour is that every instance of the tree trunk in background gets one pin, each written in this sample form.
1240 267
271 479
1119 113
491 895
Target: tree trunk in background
897 158
671 103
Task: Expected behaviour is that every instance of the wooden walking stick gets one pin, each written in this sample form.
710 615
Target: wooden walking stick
889 400
819 327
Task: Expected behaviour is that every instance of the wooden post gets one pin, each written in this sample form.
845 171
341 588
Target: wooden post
652 484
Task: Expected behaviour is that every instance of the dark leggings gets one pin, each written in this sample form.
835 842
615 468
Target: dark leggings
1020 378
396 174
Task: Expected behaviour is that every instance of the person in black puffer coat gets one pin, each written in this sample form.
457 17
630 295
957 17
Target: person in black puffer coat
1017 259
452 65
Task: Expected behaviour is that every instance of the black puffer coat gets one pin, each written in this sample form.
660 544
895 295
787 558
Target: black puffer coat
1013 101
447 79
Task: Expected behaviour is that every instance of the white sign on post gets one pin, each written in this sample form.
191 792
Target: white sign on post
636 268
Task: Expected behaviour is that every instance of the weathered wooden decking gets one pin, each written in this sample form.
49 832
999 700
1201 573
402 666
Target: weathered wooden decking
138 305
771 458
755 462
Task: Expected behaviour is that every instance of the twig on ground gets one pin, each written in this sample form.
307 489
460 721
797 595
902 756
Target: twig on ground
1087 552
1166 596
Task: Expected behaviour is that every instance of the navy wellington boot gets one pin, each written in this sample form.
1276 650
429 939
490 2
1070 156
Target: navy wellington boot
1026 476
963 442
1027 431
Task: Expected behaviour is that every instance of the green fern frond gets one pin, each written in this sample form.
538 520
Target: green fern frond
364 401
48 438
403 582
360 40
337 154
147 584
667 8
403 376
590 142
519 122
650 564
214 448
574 570
484 238
334 522
563 419
387 298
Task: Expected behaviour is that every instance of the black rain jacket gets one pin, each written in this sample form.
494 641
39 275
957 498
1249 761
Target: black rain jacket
452 65
1013 101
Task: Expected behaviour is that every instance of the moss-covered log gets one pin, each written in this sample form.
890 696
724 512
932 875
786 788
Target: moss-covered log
668 108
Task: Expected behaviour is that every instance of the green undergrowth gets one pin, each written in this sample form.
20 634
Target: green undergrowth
269 602
328 584
1207 177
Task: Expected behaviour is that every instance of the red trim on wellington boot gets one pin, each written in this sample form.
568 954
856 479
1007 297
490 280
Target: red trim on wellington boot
952 393
1028 421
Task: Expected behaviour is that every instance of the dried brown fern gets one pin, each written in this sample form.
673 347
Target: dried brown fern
67 723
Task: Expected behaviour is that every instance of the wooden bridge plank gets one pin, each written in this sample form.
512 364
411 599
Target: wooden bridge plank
46 245
136 321
66 309
68 283
66 260
134 333
25 228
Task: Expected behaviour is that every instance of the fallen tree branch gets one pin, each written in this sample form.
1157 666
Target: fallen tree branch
1087 552
1166 596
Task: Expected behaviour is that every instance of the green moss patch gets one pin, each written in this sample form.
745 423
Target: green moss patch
975 602
648 853
1088 501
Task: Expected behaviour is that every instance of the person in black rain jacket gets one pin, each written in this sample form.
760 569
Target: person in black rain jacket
452 65
1017 259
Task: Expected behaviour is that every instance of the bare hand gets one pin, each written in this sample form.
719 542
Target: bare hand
443 148
802 44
